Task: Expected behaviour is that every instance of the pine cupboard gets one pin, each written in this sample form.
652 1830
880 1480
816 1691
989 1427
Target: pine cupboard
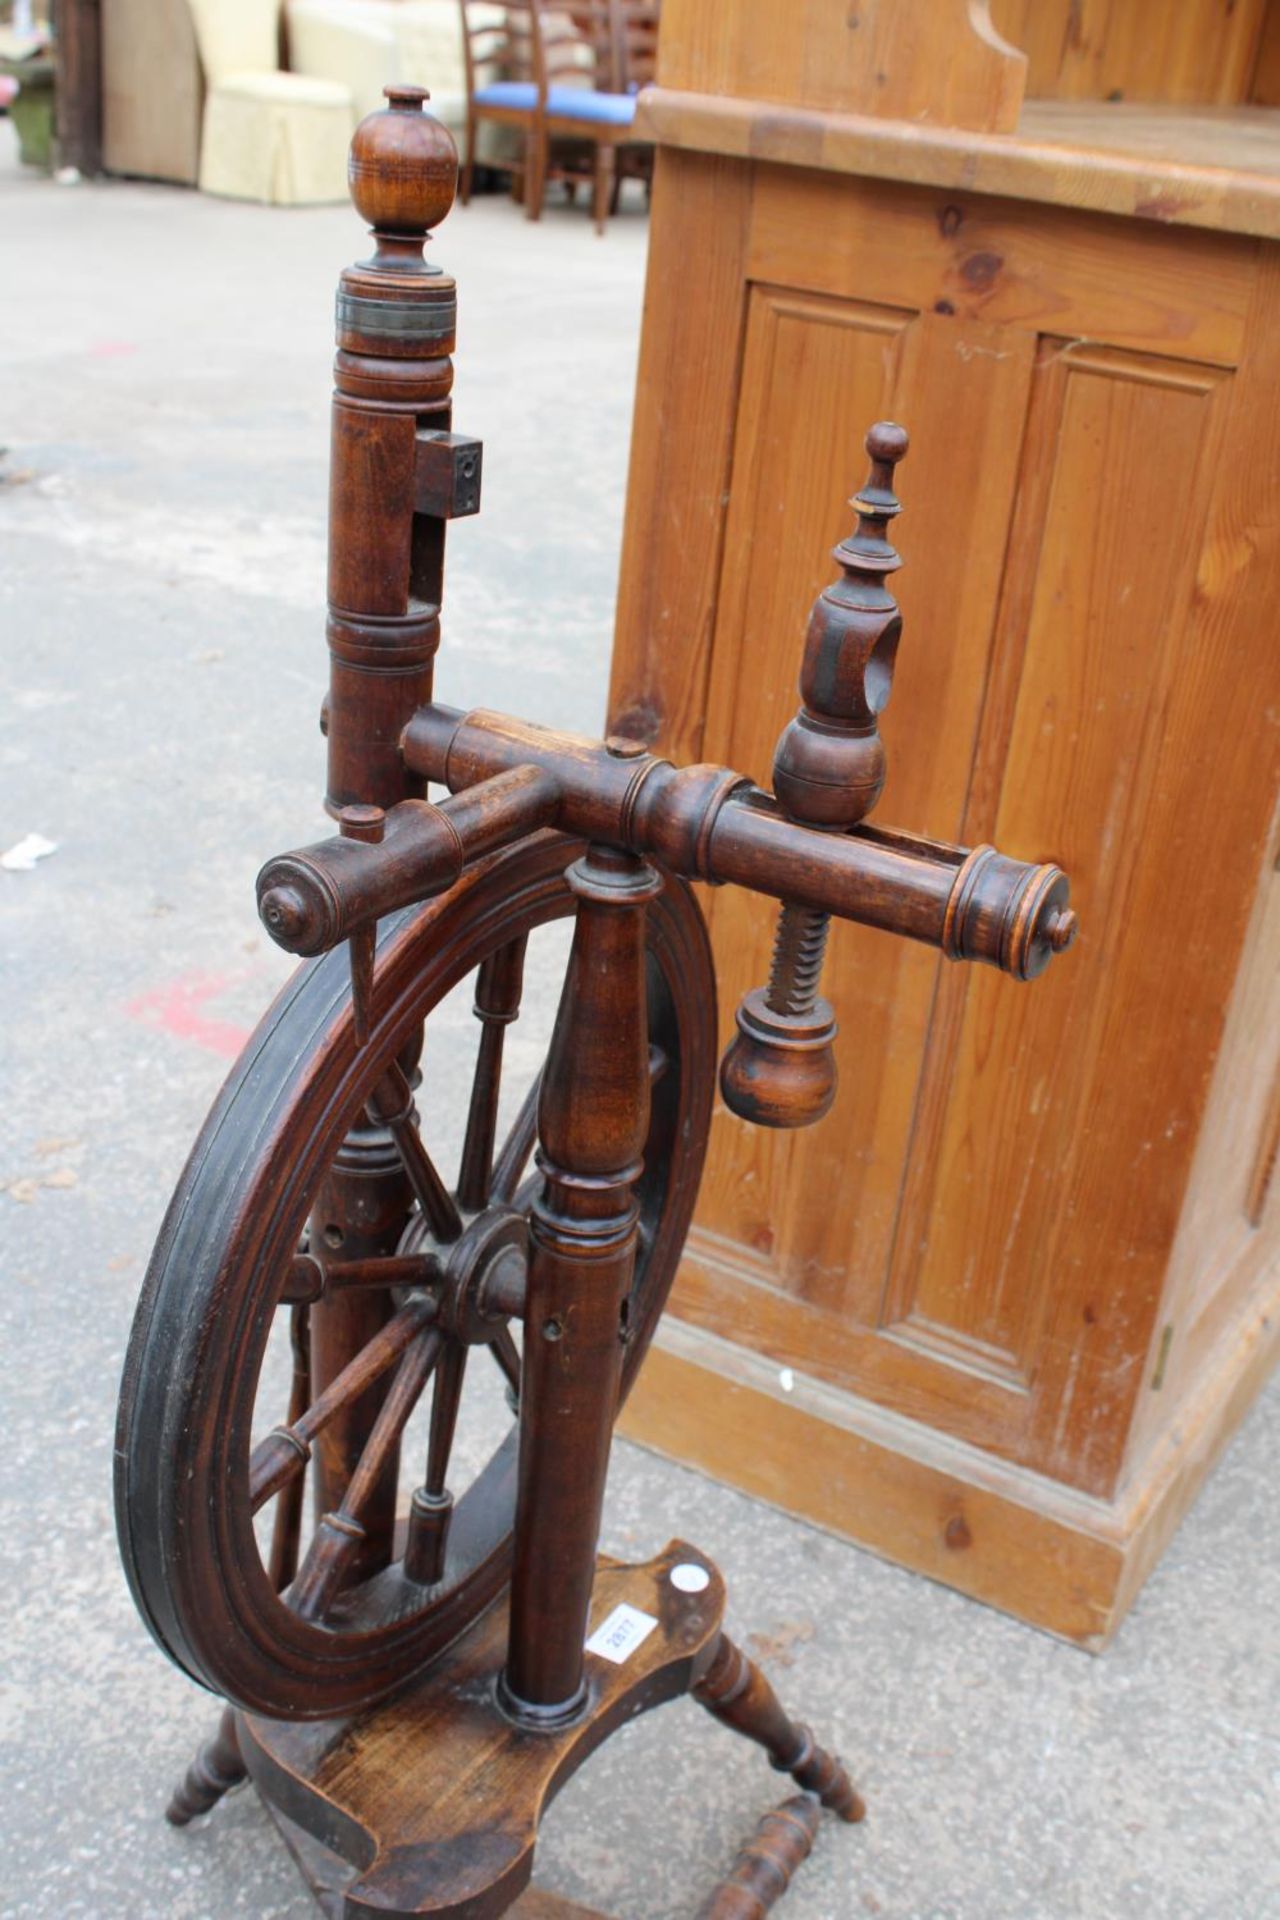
997 1314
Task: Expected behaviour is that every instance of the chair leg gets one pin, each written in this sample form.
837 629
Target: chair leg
616 196
535 172
603 183
469 165
737 1693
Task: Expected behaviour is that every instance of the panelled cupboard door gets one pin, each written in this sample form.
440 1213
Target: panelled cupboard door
933 1243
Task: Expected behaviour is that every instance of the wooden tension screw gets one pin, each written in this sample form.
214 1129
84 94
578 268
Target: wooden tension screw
828 772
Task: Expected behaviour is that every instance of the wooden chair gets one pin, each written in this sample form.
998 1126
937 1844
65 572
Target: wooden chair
569 86
636 25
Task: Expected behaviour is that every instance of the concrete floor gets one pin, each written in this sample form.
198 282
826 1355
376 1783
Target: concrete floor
162 500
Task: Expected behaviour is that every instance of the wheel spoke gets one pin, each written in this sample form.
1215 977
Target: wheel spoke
507 1354
338 1536
498 988
287 1523
392 1105
433 1503
311 1278
516 1148
285 1451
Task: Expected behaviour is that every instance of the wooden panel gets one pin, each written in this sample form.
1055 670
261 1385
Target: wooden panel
1094 609
1061 1560
900 1491
935 60
686 399
1183 295
836 366
1134 49
1185 915
1229 1236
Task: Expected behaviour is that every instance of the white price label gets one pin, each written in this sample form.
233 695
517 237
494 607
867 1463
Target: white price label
618 1637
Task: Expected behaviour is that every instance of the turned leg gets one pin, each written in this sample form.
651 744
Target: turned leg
535 170
215 1770
762 1871
735 1690
469 165
602 178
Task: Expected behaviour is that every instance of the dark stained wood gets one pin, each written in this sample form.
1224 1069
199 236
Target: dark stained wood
736 1692
328 1876
593 1119
828 770
432 1504
188 1482
359 1213
217 1767
438 1796
286 1526
762 1871
387 1705
498 988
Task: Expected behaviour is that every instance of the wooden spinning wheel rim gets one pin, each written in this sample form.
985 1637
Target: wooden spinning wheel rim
191 1376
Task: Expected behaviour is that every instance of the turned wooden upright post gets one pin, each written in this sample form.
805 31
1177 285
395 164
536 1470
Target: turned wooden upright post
593 1117
390 457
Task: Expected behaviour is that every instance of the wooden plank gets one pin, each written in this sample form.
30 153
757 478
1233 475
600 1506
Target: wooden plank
681 449
1211 170
935 60
1134 49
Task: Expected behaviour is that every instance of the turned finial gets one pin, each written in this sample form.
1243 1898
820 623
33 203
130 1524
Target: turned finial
403 171
829 766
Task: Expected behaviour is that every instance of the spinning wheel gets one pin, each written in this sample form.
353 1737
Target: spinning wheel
365 1607
386 1692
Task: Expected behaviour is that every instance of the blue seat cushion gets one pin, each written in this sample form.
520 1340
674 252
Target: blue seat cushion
563 103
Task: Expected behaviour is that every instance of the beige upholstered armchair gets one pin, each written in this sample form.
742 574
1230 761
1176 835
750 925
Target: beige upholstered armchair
267 135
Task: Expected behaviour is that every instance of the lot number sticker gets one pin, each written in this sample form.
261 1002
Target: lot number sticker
618 1637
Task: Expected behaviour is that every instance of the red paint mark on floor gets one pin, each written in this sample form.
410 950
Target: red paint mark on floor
178 1008
112 349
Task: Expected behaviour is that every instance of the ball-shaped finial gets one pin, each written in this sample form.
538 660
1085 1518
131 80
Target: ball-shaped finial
887 441
403 168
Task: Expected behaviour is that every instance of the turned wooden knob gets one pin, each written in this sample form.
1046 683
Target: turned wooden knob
403 167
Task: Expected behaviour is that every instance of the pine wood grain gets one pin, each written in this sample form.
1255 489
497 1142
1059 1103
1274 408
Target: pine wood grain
934 60
1190 167
1015 1197
1134 49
